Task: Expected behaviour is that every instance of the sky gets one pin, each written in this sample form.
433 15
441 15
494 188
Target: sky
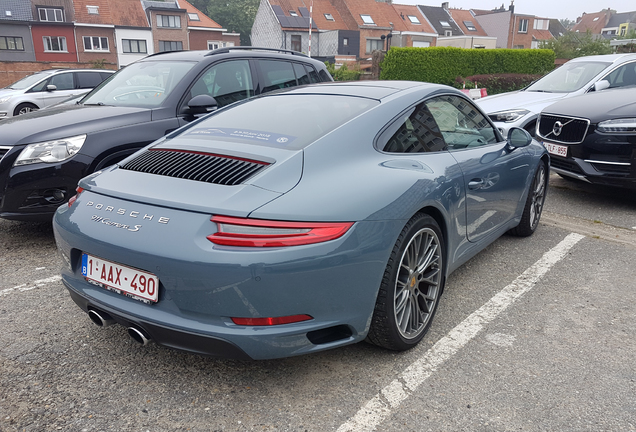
560 9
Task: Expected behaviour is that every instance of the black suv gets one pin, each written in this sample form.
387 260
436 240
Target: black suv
43 154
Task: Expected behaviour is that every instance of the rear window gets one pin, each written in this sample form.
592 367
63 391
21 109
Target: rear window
285 121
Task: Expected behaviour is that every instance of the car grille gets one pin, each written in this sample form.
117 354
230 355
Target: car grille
4 151
203 167
572 132
565 164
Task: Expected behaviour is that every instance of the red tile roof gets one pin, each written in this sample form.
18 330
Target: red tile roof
382 14
592 21
461 15
404 11
129 13
82 16
204 20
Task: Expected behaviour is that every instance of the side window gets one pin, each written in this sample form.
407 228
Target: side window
227 82
313 75
324 76
63 81
623 76
461 123
105 75
87 80
301 74
277 75
416 132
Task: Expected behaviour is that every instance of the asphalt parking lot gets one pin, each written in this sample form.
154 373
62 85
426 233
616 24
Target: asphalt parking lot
532 334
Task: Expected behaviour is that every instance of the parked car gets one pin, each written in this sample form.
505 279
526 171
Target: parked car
44 154
576 77
46 88
593 137
299 221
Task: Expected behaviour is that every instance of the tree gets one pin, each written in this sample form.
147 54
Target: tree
572 44
234 15
567 23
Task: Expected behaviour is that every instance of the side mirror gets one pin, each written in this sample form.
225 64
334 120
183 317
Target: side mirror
202 104
601 85
518 137
51 87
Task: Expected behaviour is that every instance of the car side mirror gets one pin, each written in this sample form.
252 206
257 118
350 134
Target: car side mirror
202 104
51 87
601 85
518 137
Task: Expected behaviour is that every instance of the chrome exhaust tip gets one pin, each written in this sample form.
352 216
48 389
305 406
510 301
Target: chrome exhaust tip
102 319
138 335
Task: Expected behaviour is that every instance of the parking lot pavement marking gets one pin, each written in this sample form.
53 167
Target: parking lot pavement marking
36 284
390 397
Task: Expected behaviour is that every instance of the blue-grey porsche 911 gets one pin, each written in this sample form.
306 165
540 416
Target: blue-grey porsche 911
299 221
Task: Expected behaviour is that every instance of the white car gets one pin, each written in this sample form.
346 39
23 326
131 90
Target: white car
48 87
578 76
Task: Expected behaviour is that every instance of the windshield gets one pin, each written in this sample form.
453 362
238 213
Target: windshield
144 84
285 121
568 78
28 81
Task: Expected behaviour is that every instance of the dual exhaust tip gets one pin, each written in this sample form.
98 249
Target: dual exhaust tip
102 319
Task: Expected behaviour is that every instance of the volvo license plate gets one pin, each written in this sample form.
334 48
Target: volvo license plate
556 149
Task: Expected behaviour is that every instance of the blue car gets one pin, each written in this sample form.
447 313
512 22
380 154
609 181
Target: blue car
299 221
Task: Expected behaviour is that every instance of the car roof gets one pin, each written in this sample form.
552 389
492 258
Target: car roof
230 52
370 89
606 58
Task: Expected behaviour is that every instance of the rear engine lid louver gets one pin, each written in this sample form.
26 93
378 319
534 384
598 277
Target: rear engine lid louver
198 166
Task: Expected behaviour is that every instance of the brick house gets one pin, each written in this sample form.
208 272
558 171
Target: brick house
53 31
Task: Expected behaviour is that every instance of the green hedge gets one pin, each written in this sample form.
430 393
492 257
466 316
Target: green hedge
442 65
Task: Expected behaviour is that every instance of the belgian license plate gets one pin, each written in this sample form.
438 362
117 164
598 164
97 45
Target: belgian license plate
556 149
128 281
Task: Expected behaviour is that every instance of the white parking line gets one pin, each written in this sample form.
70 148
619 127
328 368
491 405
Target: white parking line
390 397
26 287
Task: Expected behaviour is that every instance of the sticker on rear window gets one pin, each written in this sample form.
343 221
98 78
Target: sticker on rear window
247 134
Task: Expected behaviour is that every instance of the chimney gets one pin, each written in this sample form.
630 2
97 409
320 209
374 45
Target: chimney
445 5
512 6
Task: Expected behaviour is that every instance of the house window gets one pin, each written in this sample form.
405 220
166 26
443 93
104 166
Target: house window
11 43
134 46
169 21
448 32
534 44
374 44
541 24
170 46
470 26
93 10
296 43
54 43
293 13
212 45
329 17
518 47
345 41
444 23
414 19
51 14
523 26
94 43
194 17
367 19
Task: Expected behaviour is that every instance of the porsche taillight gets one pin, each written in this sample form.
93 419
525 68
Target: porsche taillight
233 231
78 191
271 321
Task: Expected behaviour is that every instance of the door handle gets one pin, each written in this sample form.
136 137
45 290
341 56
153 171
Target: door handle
476 184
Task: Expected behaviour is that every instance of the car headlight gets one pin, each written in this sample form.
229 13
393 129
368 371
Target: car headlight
621 126
508 116
50 151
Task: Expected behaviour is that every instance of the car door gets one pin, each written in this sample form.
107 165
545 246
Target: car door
494 174
65 87
622 76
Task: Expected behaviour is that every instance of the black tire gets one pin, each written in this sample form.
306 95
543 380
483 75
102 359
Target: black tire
24 108
534 203
413 282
